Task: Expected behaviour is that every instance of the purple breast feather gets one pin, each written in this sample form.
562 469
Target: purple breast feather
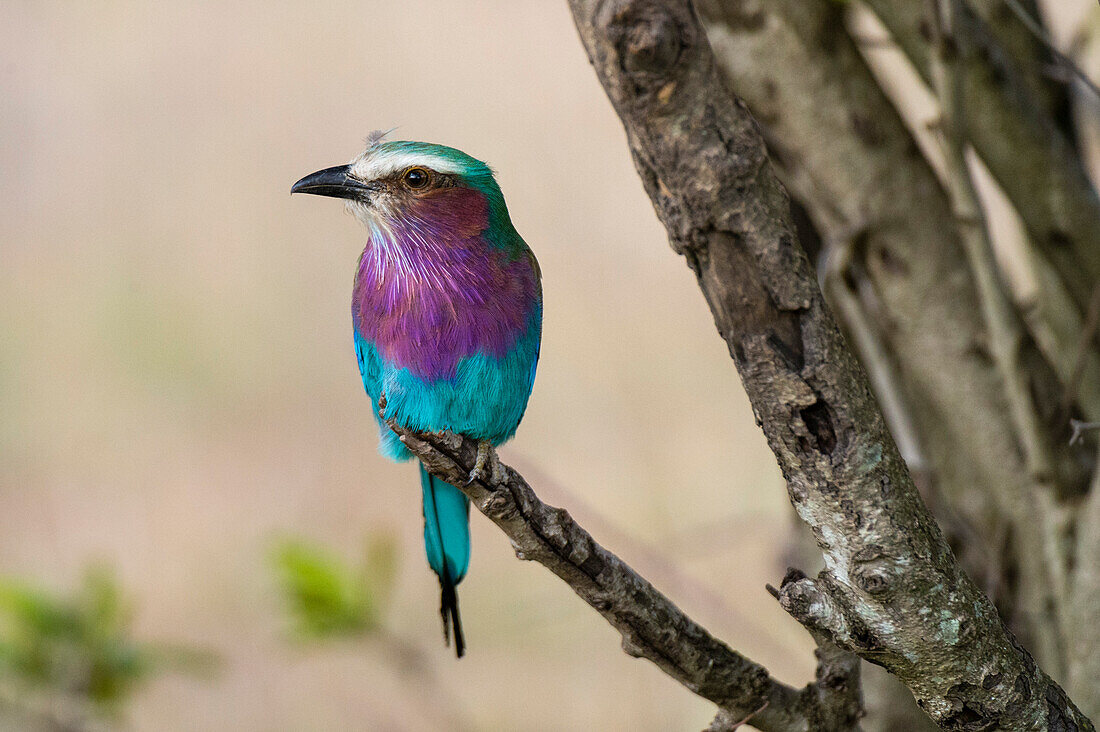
430 290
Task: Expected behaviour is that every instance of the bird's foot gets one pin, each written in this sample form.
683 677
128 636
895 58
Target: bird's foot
484 451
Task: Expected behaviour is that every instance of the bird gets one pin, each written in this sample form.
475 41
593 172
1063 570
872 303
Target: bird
446 316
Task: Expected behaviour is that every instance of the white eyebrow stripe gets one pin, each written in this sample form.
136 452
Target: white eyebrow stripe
380 165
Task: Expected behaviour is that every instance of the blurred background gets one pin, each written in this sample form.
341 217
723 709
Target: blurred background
180 393
188 479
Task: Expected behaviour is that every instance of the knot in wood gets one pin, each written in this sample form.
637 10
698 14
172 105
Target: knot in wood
874 581
646 36
873 571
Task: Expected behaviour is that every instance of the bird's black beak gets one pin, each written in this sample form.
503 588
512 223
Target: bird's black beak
336 182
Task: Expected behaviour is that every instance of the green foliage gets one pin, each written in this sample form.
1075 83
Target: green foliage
79 647
329 598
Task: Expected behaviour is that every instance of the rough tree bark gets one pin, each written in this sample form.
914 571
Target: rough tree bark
892 274
891 590
844 153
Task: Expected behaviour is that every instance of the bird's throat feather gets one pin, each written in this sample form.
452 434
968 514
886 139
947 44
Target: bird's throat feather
435 285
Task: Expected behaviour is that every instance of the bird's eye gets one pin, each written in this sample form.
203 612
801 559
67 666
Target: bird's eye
416 178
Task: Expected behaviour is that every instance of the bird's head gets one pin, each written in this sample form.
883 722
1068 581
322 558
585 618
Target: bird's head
396 182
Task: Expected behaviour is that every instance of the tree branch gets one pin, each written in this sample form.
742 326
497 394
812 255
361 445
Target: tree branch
1026 21
891 590
892 274
652 627
1036 61
842 149
1020 142
1006 332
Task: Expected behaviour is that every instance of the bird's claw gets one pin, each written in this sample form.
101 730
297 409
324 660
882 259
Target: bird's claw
484 449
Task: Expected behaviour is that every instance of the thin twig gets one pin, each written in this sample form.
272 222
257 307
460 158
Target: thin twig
1043 37
1079 428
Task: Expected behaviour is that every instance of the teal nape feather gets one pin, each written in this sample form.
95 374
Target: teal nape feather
447 311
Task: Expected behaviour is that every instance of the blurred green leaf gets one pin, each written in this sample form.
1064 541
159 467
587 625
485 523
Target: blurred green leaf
328 597
80 647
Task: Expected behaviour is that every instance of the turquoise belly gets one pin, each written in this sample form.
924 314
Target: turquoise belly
485 399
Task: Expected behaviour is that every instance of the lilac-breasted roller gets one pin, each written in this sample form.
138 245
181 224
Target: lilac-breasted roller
447 312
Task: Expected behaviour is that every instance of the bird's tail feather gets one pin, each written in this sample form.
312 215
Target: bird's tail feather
447 543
